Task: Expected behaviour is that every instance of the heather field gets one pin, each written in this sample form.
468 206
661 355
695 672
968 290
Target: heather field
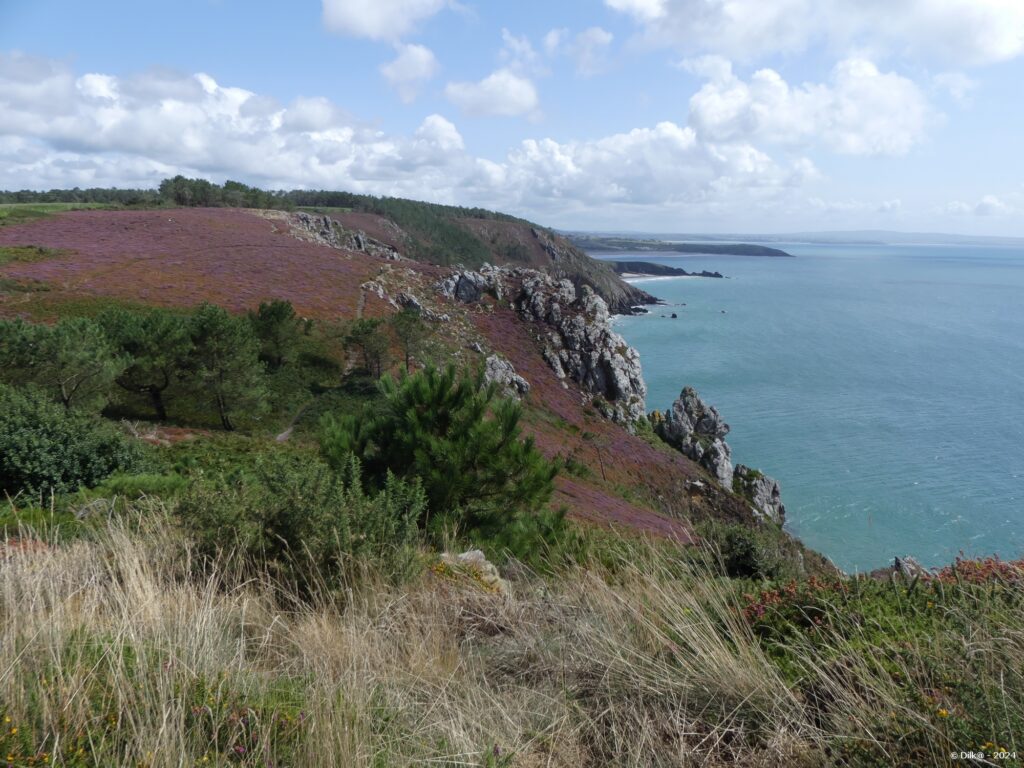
181 257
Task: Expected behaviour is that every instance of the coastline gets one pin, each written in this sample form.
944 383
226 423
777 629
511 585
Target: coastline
637 277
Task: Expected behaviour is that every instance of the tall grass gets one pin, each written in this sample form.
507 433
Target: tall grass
118 649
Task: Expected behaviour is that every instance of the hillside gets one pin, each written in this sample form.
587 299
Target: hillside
83 261
427 232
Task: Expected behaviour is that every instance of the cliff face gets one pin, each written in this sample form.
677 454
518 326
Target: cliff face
578 341
502 241
569 262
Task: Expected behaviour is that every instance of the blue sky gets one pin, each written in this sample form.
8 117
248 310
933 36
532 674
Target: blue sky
665 115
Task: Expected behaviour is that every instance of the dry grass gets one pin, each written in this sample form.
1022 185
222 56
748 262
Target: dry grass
113 652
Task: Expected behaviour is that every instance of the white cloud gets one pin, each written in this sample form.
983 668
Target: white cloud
59 130
414 66
643 10
518 54
989 205
379 19
966 32
437 131
589 49
502 93
553 40
860 111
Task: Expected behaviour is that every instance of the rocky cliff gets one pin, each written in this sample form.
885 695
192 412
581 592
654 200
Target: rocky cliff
574 327
571 263
327 231
698 431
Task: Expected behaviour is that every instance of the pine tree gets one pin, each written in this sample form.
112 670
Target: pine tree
157 345
72 361
367 337
224 364
410 331
277 328
460 439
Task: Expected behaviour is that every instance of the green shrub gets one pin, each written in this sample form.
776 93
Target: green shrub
306 521
482 479
135 486
45 448
750 553
932 661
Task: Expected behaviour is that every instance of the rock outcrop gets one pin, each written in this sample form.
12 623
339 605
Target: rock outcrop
327 231
578 341
474 567
569 262
763 492
500 371
468 286
580 344
698 431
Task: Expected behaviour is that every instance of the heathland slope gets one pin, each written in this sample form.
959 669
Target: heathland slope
84 261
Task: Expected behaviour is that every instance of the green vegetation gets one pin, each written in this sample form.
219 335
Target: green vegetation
277 328
158 346
367 337
482 480
14 211
25 253
225 365
628 655
46 449
72 361
411 333
310 524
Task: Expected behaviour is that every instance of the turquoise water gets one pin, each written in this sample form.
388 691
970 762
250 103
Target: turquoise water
883 386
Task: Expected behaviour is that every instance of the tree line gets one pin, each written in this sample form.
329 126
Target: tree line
435 450
208 356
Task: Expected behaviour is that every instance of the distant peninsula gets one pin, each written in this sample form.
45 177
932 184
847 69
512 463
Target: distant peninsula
649 268
600 244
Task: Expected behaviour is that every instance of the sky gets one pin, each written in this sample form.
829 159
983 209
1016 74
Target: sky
612 115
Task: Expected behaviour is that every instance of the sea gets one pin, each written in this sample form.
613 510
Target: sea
881 385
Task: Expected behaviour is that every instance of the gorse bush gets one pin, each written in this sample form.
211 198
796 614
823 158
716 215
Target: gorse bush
309 523
482 479
45 448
